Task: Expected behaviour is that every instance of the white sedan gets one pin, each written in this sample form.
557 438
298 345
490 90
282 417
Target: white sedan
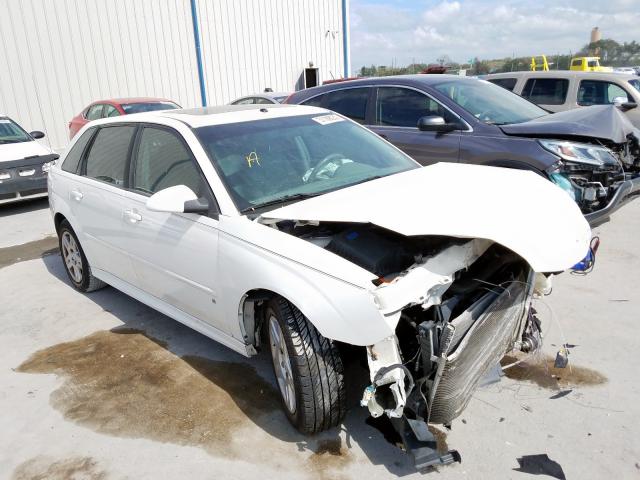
297 229
23 163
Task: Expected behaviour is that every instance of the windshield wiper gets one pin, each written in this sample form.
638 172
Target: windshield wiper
277 201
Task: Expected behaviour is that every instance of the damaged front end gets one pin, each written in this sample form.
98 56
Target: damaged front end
459 306
600 177
448 340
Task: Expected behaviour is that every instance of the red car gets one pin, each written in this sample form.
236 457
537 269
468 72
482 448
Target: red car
116 107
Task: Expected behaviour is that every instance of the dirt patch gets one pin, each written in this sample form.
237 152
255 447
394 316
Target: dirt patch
28 251
329 456
542 372
45 468
127 384
124 383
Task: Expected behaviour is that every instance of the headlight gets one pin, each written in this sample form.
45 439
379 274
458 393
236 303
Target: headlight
580 153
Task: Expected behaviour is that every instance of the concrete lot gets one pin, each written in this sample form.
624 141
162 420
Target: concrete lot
99 386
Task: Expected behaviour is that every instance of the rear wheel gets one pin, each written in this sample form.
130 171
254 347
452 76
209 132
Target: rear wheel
75 261
308 369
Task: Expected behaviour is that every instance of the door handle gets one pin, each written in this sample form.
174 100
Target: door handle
132 216
76 195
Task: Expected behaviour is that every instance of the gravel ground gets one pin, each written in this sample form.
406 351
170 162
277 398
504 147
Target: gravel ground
99 386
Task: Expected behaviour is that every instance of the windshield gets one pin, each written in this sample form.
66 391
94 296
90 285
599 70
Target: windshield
130 108
10 132
490 103
635 84
269 161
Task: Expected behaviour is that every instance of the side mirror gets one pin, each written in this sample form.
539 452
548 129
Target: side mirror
628 106
619 101
36 134
177 199
435 123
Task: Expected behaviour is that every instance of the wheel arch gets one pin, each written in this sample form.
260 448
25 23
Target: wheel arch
250 315
58 218
338 311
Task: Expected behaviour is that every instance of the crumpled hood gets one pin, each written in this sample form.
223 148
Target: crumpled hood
605 122
20 150
517 209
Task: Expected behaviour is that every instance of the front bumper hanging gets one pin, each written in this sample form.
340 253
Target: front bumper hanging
627 191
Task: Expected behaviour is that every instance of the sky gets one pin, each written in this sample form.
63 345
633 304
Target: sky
401 31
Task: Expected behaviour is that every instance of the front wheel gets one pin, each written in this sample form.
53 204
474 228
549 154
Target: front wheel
308 369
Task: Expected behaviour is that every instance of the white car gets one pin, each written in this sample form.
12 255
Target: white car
22 158
294 227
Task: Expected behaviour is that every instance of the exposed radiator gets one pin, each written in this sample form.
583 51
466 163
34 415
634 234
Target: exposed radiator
470 359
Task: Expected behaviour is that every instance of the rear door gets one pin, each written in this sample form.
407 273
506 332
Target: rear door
396 115
174 255
98 198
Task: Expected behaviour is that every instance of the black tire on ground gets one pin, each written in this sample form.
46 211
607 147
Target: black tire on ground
316 366
84 280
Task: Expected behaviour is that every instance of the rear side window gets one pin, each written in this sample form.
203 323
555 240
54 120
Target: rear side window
508 83
244 101
576 63
107 158
164 161
546 91
94 112
263 101
74 156
596 92
403 107
350 102
110 111
314 102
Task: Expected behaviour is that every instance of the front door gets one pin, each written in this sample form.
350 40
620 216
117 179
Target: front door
174 255
397 111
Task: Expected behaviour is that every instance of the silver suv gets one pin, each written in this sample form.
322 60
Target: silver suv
557 91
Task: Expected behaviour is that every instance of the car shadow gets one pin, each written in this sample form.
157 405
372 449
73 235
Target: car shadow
248 382
23 206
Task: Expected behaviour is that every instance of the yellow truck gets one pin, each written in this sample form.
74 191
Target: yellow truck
588 64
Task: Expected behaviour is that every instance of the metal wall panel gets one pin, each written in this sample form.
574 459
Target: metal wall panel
248 45
58 56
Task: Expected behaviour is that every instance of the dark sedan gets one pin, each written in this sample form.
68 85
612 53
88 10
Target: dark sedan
594 155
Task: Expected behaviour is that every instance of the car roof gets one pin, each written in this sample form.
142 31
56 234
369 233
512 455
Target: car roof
268 95
216 115
408 80
133 100
561 74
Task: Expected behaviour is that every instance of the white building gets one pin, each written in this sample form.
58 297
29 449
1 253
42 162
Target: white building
58 56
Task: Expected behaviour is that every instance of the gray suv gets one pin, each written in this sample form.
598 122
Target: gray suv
592 153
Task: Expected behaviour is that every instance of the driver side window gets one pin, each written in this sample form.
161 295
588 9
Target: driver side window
163 161
403 107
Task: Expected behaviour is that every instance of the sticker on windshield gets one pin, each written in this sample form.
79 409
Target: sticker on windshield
2 120
327 119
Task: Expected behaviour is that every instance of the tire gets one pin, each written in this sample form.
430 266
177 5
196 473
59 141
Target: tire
75 261
314 365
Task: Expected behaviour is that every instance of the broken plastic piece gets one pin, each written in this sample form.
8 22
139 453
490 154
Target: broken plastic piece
562 358
367 395
424 451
